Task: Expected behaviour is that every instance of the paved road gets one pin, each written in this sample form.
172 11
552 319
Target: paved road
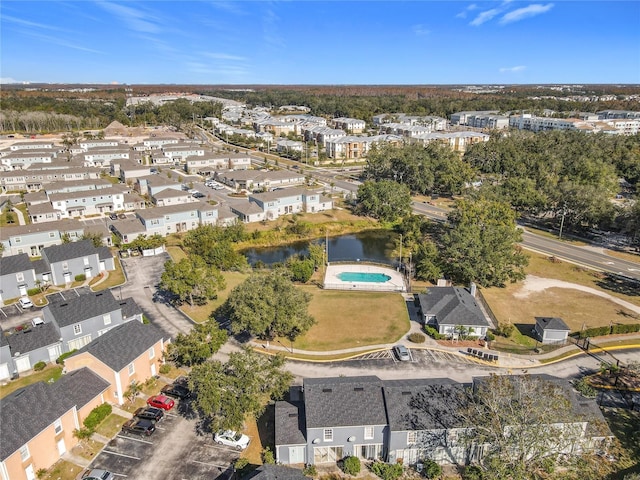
143 274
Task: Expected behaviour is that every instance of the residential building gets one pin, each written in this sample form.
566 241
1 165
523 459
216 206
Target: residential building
17 276
65 262
255 180
177 218
457 141
289 201
461 118
178 152
453 311
33 344
37 422
129 353
218 161
31 146
31 239
130 171
350 125
96 144
102 157
81 318
399 421
21 159
88 202
352 147
34 179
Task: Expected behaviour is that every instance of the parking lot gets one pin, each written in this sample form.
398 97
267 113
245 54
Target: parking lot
418 356
176 450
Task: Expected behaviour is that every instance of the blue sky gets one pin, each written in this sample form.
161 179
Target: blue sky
324 42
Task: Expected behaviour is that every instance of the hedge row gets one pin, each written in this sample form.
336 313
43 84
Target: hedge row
433 333
96 416
609 330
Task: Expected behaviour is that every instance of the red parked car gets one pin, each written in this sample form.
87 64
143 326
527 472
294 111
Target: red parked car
161 401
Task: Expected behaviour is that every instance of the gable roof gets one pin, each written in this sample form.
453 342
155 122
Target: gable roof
68 251
423 404
18 424
452 306
342 401
15 264
552 323
290 426
33 338
68 311
276 472
123 344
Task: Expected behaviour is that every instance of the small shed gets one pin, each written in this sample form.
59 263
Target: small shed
551 329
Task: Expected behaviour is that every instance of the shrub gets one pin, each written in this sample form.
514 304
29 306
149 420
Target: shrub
310 470
267 456
39 366
82 433
351 466
41 472
145 320
433 333
165 368
60 360
490 337
417 338
80 278
240 464
387 471
33 291
96 416
504 330
472 472
431 469
582 385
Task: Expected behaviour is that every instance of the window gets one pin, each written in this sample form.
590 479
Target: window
368 433
17 240
86 260
328 434
57 426
24 452
412 437
132 369
65 266
77 329
107 318
20 277
152 352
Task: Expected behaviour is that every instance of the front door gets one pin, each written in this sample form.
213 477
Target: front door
153 369
54 352
296 455
62 448
23 364
4 371
30 473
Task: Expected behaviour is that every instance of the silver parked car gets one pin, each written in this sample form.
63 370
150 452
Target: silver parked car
402 353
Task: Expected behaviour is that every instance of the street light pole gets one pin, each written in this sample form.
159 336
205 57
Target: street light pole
564 212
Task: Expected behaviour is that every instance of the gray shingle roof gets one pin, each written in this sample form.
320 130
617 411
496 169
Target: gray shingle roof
76 309
104 253
276 472
342 401
123 344
129 308
452 306
26 412
552 323
34 338
423 404
290 427
15 263
68 251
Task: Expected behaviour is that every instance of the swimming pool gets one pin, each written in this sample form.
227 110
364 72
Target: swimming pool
363 277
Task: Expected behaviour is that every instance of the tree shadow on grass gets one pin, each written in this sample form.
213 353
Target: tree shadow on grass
615 283
266 427
526 330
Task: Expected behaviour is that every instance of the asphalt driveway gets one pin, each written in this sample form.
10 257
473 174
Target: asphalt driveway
143 275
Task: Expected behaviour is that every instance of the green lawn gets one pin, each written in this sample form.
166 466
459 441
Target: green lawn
51 372
111 425
352 319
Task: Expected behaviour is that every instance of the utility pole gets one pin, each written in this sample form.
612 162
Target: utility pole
400 264
564 212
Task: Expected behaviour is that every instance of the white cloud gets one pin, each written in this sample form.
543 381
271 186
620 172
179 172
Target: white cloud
28 23
485 16
518 68
420 30
224 56
5 80
470 8
135 19
525 12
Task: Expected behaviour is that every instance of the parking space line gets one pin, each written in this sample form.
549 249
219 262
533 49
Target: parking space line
119 475
121 454
135 439
223 467
223 447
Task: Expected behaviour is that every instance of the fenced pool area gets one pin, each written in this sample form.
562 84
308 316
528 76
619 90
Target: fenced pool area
365 277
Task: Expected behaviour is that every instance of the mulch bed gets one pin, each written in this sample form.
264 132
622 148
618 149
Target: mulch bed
625 380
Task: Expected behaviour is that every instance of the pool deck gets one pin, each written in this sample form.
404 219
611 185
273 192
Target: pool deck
333 282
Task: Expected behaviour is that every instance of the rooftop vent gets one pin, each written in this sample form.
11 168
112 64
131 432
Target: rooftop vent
327 390
406 393
293 415
358 389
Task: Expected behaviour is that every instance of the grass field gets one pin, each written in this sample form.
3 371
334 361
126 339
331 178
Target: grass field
575 307
353 319
200 313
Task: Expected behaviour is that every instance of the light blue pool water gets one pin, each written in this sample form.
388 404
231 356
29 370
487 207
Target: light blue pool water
363 277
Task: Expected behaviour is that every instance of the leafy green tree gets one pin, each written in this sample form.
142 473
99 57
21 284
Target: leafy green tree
215 245
191 279
269 306
198 345
386 200
427 262
481 244
95 237
301 269
316 254
226 393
